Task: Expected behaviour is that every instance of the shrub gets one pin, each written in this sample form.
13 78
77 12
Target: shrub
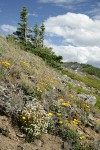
35 120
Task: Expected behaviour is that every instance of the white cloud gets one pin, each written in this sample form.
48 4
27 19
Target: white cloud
89 55
78 29
83 34
60 1
32 14
8 28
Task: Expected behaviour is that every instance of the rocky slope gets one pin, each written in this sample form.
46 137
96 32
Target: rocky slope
31 90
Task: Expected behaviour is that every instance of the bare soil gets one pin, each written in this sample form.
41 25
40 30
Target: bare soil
12 139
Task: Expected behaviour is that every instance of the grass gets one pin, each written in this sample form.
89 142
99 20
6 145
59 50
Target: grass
88 80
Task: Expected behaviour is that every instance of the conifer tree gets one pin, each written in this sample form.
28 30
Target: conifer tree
22 30
38 37
35 39
42 30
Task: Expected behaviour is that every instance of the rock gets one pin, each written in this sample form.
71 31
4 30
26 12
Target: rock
38 142
88 98
90 117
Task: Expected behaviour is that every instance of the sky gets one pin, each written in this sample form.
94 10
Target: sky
72 26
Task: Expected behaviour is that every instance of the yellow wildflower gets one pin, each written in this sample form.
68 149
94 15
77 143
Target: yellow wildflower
42 83
60 100
26 64
50 114
66 104
60 122
58 114
5 64
39 90
82 137
75 121
23 117
71 95
66 121
87 106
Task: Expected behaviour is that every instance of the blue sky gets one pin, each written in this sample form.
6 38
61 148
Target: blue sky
72 26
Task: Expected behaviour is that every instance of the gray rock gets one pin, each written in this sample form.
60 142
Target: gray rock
88 98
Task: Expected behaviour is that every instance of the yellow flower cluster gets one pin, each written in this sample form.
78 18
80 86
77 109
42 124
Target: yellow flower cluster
75 121
71 96
5 64
58 114
24 63
43 85
23 118
60 122
82 137
86 107
50 114
66 104
61 100
39 90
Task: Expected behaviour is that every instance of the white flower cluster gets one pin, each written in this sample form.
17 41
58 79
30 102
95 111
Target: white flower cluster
35 119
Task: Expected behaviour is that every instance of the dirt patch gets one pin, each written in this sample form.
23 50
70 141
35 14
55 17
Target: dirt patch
9 139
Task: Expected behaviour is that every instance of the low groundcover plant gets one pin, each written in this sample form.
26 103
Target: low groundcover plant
35 120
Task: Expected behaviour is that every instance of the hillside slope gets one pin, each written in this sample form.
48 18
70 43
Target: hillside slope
36 98
85 68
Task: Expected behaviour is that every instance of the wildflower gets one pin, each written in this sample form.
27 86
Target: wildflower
66 104
39 90
58 114
60 122
71 95
75 121
82 137
87 106
66 121
50 114
23 117
26 64
5 64
60 100
42 83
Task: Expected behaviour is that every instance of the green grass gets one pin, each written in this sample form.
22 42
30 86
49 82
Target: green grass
88 80
77 89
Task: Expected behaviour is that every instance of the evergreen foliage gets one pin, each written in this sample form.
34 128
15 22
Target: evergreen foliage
33 40
22 30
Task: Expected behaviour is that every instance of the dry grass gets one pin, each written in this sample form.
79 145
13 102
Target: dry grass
31 76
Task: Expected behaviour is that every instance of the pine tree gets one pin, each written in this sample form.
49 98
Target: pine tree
22 30
36 38
42 30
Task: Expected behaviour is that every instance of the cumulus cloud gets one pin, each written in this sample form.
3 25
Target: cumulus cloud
8 28
78 29
79 54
